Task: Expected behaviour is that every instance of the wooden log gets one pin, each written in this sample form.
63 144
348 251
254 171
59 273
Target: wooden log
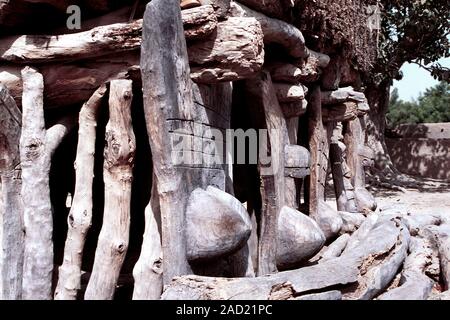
336 248
414 283
117 173
37 146
147 273
261 92
351 221
275 31
221 229
222 7
11 208
72 84
342 95
272 8
441 238
283 285
327 218
235 51
285 72
342 112
378 273
167 94
299 238
294 109
287 93
329 295
80 215
99 41
363 231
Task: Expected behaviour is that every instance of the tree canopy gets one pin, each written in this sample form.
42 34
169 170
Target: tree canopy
431 107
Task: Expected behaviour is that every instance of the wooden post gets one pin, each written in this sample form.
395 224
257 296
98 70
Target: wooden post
167 92
37 146
117 174
147 273
262 94
12 235
80 215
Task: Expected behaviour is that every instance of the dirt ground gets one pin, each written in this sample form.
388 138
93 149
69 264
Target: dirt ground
432 196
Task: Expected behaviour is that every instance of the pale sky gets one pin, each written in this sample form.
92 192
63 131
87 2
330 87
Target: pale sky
416 80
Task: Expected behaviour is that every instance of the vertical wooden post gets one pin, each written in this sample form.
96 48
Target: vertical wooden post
118 175
37 146
11 209
167 90
80 215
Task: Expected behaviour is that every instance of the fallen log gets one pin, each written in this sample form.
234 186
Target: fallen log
275 31
335 249
363 231
11 207
37 146
80 215
441 235
118 165
414 284
99 41
299 238
379 271
221 229
329 295
351 221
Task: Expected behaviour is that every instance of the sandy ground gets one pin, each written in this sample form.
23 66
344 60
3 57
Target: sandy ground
432 196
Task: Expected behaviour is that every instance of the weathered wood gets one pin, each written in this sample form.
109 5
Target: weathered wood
336 248
216 224
260 91
329 295
285 72
199 22
220 6
287 93
351 221
364 230
117 174
11 209
345 111
319 138
265 287
167 92
80 215
414 284
294 109
275 31
147 273
299 238
342 95
37 146
235 51
297 161
273 8
99 41
356 157
441 235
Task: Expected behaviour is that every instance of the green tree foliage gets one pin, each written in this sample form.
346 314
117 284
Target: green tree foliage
415 31
431 107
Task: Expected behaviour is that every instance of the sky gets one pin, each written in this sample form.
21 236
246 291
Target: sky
416 80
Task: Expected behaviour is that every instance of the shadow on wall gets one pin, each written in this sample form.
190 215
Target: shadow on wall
421 150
